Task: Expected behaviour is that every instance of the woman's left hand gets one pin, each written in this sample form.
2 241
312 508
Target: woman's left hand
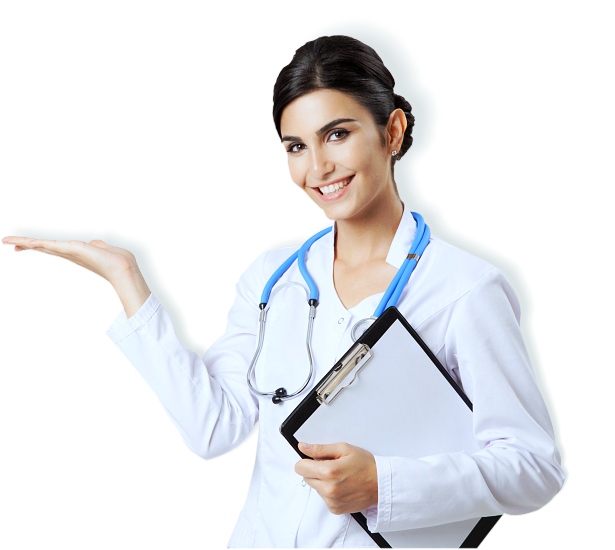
348 482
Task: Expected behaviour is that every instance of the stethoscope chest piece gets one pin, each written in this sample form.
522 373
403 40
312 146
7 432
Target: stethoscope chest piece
360 327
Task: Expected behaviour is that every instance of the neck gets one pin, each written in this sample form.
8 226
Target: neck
367 237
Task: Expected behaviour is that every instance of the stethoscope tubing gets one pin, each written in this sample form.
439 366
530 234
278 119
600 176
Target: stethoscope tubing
389 298
302 268
279 395
411 264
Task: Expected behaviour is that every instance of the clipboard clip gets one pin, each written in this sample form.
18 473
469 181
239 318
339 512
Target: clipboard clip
355 361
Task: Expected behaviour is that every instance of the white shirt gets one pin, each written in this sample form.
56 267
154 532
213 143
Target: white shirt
462 307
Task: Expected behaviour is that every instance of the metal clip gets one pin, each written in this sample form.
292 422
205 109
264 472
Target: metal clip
413 257
359 356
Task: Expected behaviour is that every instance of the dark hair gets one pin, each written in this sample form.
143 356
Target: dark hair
348 65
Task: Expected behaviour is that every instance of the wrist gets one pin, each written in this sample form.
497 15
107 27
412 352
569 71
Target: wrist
131 289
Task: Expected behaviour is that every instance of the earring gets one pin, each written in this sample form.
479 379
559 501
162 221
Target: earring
394 153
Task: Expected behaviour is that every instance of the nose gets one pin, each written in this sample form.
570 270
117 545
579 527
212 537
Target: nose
320 163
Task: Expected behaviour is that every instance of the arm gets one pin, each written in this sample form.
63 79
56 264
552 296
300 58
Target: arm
518 469
207 399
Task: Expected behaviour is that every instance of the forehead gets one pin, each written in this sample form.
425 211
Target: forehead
309 112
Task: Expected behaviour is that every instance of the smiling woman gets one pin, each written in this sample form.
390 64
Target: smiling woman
344 129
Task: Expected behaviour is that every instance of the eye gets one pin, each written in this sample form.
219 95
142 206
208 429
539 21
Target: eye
290 149
343 133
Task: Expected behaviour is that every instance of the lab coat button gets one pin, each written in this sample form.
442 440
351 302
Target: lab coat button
340 321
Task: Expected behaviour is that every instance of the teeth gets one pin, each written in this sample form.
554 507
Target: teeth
327 189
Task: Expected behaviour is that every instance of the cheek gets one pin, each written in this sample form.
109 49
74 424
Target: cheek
350 158
359 157
297 171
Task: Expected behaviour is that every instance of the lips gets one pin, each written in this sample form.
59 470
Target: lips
336 194
348 179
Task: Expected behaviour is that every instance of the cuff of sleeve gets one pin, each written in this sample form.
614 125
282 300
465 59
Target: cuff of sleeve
123 327
379 515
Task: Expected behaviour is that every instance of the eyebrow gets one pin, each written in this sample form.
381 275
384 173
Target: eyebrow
322 130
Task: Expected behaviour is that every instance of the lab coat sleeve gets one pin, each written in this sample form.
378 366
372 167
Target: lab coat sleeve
518 467
207 399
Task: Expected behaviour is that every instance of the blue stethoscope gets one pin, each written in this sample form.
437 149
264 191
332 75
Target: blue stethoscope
389 299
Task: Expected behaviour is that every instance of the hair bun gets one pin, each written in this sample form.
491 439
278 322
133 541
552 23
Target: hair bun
351 67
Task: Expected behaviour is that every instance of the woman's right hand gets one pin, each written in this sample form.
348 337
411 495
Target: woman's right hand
110 262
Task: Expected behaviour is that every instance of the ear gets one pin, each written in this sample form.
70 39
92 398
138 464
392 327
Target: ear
396 128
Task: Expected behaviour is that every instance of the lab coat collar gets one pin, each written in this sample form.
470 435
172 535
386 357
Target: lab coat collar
404 235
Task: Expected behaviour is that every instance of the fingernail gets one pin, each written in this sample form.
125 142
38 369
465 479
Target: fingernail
306 445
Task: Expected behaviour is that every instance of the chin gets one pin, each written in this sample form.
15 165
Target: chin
339 213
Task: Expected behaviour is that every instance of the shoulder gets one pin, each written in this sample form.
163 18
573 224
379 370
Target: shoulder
276 254
260 269
453 289
320 248
449 274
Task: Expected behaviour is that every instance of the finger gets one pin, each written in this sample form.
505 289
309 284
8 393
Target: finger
309 481
304 468
48 247
329 492
64 249
330 450
18 241
317 484
316 469
25 242
21 243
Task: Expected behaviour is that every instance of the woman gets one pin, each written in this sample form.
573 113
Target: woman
344 129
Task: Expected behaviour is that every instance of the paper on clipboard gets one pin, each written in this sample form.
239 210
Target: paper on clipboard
398 392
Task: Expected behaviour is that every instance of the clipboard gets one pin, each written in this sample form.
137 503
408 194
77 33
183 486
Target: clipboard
389 377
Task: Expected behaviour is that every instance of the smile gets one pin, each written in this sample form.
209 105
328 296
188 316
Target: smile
334 190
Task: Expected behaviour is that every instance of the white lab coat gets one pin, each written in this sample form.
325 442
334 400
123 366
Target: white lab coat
466 312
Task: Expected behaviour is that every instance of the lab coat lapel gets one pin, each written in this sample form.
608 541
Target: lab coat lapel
402 241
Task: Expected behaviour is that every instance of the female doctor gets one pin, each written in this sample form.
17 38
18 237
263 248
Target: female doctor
343 129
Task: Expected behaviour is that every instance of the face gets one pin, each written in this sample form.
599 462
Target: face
331 139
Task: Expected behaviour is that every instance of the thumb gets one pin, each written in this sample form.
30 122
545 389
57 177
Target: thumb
330 450
99 243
